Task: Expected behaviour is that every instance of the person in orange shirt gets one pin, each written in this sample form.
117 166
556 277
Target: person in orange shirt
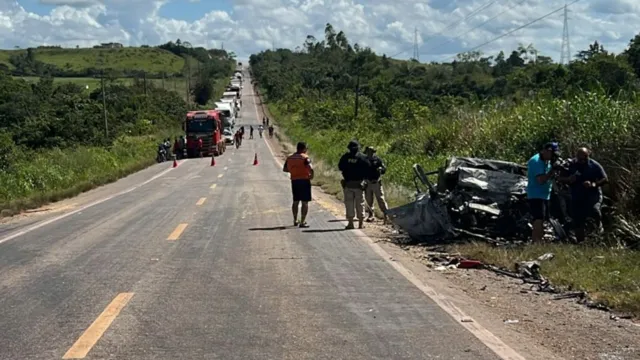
299 166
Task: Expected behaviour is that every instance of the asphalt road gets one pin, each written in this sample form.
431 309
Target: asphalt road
236 280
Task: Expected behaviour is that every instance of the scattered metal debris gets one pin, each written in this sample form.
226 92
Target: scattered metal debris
526 271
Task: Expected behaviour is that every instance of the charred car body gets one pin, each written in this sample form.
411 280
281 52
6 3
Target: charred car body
479 198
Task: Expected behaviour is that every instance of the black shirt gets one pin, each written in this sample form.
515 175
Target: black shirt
354 167
373 173
591 171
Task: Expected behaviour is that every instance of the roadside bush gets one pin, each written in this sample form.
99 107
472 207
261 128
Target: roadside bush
55 174
53 137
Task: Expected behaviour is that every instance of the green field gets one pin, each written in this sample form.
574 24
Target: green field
152 60
177 84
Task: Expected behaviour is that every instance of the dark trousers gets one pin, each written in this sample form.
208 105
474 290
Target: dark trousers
585 207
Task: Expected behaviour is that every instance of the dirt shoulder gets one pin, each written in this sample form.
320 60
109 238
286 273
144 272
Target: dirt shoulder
540 327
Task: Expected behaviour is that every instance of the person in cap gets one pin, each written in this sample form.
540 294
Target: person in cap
374 183
586 178
299 167
354 167
540 174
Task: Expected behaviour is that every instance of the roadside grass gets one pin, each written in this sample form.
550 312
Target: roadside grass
151 60
610 276
54 175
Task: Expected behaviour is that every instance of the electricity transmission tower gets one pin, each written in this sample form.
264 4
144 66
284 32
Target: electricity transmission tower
416 49
565 52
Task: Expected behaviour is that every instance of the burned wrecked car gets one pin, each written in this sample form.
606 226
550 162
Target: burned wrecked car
474 197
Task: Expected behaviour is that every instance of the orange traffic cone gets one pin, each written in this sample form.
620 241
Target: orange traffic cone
213 160
255 159
175 163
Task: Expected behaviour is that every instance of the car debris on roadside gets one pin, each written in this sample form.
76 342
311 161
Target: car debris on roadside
476 198
483 200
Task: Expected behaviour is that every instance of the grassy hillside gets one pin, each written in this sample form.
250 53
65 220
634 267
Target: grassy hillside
152 60
178 85
53 139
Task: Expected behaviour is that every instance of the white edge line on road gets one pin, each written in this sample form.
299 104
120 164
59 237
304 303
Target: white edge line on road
60 217
501 349
485 336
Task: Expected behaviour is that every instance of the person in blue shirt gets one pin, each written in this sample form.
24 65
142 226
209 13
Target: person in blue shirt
540 175
586 178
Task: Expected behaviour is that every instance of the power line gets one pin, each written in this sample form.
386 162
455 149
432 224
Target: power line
479 25
521 27
471 14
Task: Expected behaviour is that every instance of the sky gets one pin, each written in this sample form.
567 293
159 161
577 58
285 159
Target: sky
445 27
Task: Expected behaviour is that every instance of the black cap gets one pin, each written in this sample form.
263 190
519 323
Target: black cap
370 148
553 147
353 144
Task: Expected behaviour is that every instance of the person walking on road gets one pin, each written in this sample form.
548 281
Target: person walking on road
200 145
374 184
260 130
251 132
238 139
299 167
354 167
540 176
270 131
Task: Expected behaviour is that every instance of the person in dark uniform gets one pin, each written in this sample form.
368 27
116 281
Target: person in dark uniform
586 177
374 184
299 167
354 167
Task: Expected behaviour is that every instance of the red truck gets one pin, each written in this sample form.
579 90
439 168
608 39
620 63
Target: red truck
205 125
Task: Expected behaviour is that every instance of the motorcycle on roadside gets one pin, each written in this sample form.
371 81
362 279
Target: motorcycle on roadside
161 155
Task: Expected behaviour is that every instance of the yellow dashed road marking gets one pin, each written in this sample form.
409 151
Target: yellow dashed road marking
221 175
201 201
213 186
177 232
90 337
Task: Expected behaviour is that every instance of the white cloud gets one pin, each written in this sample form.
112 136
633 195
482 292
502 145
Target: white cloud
387 26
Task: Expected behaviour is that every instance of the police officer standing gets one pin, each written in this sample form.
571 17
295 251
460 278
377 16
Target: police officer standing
374 183
354 167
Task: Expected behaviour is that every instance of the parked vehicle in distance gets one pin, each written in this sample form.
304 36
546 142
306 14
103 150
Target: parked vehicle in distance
228 136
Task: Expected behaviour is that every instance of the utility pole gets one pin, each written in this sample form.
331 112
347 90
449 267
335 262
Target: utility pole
565 52
104 105
416 49
188 82
357 105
